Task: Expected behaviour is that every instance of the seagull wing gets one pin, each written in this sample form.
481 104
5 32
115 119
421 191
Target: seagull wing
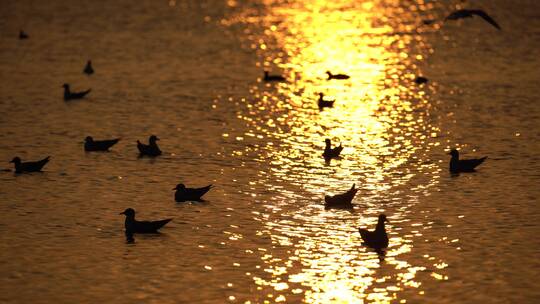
486 17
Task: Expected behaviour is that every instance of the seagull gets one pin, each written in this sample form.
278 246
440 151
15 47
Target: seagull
23 35
98 145
336 76
88 70
376 239
184 194
421 80
468 13
36 166
330 152
68 95
268 77
463 165
341 200
324 103
134 226
151 149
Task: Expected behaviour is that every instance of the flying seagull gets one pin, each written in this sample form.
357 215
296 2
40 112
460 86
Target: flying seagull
468 13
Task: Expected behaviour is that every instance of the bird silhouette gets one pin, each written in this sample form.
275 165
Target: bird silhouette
343 200
330 152
324 103
151 149
98 145
184 194
269 78
468 13
133 226
88 70
420 80
376 239
68 95
463 165
337 76
35 166
23 35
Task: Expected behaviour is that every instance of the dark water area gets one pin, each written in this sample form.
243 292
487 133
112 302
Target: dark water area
191 73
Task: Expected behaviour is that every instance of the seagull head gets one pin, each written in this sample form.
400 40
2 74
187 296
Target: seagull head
65 86
327 141
16 160
153 138
129 212
88 139
382 218
454 153
180 187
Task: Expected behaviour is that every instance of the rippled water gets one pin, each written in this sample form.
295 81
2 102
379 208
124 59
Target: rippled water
190 72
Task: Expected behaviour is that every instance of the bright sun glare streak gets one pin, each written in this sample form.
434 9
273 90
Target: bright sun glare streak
380 117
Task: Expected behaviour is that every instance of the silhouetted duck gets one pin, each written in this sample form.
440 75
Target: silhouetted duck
68 95
336 76
420 80
98 145
88 70
151 149
324 103
463 165
36 166
330 152
134 226
468 13
268 77
343 200
376 239
184 194
23 35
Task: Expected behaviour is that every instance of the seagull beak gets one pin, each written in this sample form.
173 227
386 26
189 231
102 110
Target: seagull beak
122 213
175 188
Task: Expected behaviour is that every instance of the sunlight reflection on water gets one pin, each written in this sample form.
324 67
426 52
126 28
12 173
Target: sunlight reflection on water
380 115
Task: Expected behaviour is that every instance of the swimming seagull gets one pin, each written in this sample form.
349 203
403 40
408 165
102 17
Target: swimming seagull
376 239
134 226
336 76
68 95
330 152
36 166
151 149
88 70
184 194
23 35
343 200
468 13
98 145
463 165
420 80
324 103
268 77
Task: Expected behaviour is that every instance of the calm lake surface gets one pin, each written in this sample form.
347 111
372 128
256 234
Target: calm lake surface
191 73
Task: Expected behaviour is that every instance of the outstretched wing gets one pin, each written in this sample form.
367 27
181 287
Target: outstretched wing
486 17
